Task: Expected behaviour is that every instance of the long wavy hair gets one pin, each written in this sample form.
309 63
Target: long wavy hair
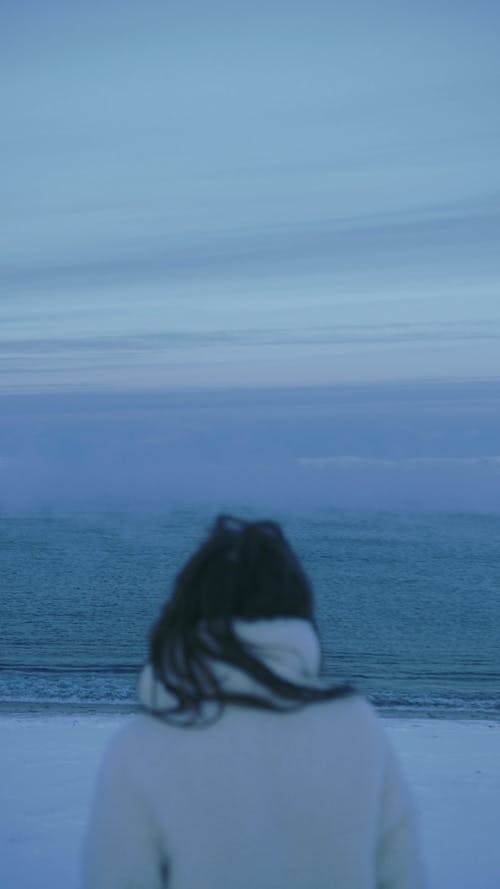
243 570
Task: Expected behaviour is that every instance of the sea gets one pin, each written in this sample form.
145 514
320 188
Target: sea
408 604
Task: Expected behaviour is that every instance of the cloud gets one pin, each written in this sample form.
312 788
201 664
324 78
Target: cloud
415 483
438 463
121 481
440 233
342 334
388 447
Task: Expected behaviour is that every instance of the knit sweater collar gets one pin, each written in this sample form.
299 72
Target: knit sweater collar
288 646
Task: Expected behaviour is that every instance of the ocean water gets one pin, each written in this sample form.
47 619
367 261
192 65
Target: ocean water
408 605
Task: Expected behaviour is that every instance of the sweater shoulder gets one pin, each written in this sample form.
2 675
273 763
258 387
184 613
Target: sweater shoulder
129 739
355 713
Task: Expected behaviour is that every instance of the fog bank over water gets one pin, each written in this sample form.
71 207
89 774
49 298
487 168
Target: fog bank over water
382 446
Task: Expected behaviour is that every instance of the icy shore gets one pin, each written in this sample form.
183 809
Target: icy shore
48 766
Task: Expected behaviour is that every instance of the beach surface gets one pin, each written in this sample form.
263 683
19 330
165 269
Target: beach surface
48 766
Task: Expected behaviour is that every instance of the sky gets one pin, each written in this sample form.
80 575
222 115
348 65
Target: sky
224 222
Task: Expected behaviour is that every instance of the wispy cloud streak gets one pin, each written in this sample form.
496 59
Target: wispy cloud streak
443 234
353 334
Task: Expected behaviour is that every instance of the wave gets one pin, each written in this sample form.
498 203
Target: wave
109 688
83 669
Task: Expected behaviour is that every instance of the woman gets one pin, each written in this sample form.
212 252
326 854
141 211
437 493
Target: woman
245 769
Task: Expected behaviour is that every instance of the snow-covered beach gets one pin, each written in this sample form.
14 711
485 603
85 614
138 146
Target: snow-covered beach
48 766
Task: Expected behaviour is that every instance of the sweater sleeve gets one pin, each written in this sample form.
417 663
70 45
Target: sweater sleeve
122 848
399 860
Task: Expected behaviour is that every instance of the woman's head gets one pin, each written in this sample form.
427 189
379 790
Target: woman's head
243 571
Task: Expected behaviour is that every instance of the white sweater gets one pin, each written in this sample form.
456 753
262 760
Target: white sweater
312 799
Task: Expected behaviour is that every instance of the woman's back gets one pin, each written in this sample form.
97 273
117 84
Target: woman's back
261 799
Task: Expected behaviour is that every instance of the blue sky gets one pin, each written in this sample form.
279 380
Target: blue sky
263 197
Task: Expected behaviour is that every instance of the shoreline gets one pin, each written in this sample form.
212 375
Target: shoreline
74 709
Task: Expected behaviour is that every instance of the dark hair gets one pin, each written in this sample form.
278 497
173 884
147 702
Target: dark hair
244 570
